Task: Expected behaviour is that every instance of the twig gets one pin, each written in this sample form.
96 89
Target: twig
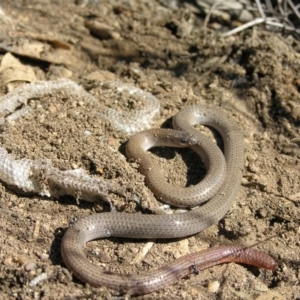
260 9
293 7
143 252
268 15
207 18
244 26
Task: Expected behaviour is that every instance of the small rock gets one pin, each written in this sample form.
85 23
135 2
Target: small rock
30 266
44 256
104 258
87 133
102 30
213 286
111 141
52 109
262 213
7 262
253 168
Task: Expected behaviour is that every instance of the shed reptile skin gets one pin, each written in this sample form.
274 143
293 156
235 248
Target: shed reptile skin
168 226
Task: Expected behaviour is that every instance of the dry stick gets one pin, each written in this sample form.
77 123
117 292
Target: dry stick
260 9
269 6
293 7
207 18
282 10
143 252
244 26
272 21
276 24
267 21
262 13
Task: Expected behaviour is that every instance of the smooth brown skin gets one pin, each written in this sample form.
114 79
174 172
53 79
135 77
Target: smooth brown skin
168 226
208 151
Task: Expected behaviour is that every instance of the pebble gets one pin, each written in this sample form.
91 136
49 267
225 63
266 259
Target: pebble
253 168
52 109
87 133
44 256
112 141
251 158
30 266
8 261
213 286
262 212
104 258
183 247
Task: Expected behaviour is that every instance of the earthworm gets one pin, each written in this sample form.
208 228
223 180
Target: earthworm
138 284
168 226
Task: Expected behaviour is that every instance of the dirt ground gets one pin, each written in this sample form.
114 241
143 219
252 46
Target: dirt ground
163 49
